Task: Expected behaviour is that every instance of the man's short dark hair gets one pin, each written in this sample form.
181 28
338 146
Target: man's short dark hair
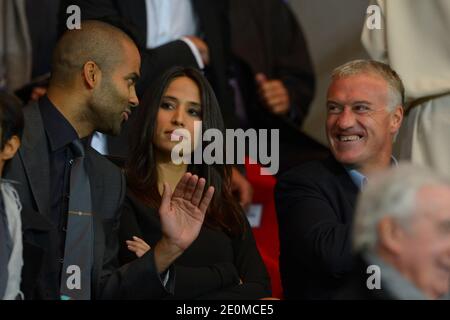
96 41
11 117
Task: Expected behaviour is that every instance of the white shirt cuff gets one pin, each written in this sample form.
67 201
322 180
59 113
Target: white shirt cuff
195 52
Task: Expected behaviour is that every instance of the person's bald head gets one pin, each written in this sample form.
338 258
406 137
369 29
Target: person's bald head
93 80
96 41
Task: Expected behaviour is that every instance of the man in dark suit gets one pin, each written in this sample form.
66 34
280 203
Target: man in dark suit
94 71
402 237
274 74
315 201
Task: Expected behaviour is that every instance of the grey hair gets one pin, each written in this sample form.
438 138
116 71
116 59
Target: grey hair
395 84
394 194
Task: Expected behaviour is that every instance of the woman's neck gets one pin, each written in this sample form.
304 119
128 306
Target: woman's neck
168 172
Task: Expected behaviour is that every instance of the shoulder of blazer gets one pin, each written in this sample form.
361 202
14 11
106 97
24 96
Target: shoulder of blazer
327 173
318 170
34 126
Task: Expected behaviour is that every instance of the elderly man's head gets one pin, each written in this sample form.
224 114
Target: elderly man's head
403 216
364 113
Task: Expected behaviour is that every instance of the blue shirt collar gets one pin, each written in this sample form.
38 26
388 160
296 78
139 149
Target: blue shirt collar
359 179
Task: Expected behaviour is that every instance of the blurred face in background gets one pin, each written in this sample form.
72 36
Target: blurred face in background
423 249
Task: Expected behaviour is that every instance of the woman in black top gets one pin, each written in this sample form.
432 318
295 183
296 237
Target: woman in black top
223 262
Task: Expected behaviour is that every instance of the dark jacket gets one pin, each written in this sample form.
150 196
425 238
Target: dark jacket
31 169
315 204
266 38
211 267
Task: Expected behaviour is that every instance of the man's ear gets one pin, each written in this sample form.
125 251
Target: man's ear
396 119
390 235
91 74
10 148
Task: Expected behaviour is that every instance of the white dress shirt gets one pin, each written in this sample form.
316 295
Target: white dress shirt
169 20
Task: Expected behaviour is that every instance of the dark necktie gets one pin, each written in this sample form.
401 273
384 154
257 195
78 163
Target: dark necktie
78 251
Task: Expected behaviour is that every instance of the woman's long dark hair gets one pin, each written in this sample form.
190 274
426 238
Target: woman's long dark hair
224 212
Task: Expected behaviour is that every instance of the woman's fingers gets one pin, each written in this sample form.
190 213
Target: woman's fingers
198 192
206 199
139 240
138 246
139 252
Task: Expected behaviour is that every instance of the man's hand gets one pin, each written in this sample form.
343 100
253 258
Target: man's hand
242 187
273 94
182 214
202 48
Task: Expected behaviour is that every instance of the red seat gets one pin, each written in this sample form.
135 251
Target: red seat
266 235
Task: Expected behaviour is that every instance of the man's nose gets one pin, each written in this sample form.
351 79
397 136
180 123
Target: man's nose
346 119
133 100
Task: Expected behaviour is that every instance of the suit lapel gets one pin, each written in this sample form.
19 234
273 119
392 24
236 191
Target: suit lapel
350 189
35 158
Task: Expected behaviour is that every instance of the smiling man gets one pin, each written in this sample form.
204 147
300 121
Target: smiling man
315 201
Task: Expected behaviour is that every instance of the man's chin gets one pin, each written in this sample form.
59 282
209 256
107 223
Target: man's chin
111 131
347 159
115 132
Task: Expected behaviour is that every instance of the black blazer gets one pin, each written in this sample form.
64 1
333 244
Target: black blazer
315 206
266 37
31 169
211 267
212 16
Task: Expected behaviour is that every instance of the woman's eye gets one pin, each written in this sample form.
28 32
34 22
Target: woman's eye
194 113
166 105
